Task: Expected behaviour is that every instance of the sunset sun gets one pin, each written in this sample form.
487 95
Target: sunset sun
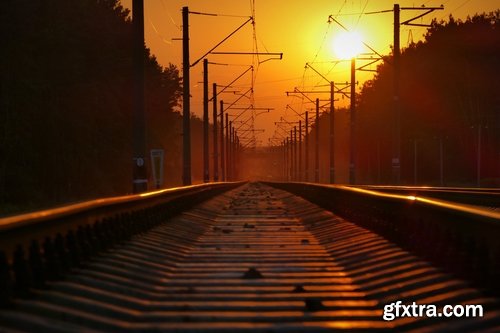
347 45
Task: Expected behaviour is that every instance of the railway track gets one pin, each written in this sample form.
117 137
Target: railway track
253 259
488 198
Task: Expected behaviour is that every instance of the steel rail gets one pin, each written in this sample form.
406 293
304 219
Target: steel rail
253 259
20 230
487 197
460 238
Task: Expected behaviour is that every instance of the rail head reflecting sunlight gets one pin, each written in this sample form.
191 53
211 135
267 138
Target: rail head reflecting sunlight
65 210
470 209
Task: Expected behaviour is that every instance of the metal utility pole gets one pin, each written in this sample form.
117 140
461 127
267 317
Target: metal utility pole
332 134
379 169
233 151
206 174
295 145
441 166
316 149
236 155
287 164
396 134
415 162
300 151
140 179
292 157
478 158
214 115
306 157
186 107
228 176
222 150
352 164
284 160
230 152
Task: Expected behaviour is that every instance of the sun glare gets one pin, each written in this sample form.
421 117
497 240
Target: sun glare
347 45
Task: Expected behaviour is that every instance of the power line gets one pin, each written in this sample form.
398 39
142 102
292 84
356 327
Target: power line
457 8
222 41
360 14
215 14
327 32
341 7
162 37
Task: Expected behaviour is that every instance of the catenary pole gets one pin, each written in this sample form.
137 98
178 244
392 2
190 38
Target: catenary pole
301 177
206 173
316 145
215 134
306 157
228 176
352 159
186 108
222 143
396 134
332 134
140 179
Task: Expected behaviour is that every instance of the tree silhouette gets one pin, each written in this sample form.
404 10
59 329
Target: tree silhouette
66 102
449 87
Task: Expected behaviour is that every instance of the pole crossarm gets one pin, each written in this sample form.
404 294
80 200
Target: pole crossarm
217 63
222 41
242 123
428 11
308 65
249 143
311 92
362 68
251 107
214 14
243 129
301 115
247 136
279 126
280 54
230 84
408 22
275 141
317 72
252 130
280 123
234 92
238 99
241 113
296 90
265 111
281 135
321 100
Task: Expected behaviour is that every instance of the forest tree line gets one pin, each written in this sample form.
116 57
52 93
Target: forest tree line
450 112
66 100
449 91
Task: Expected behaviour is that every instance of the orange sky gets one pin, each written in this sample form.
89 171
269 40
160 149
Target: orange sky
298 29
